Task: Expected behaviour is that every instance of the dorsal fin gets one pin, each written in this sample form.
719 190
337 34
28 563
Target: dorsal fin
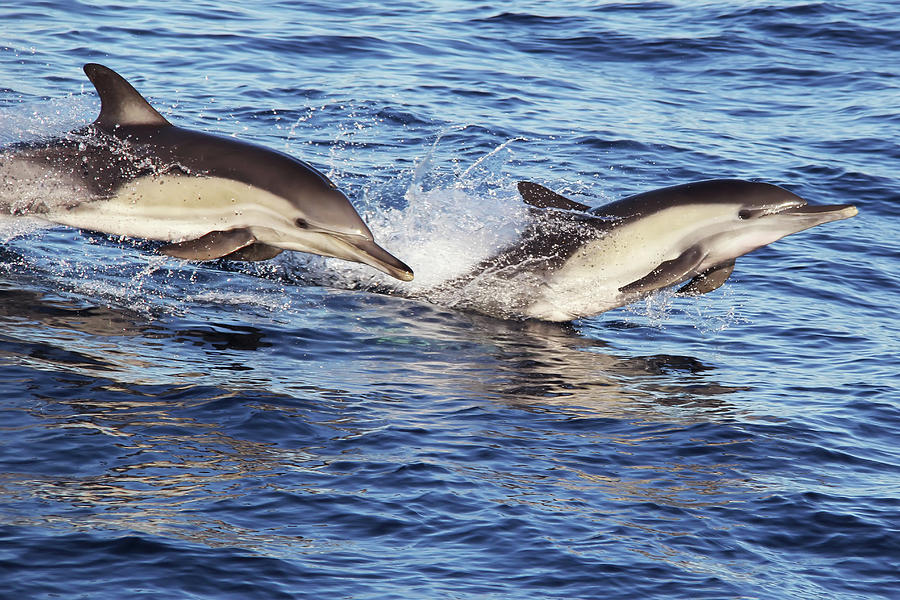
120 103
541 197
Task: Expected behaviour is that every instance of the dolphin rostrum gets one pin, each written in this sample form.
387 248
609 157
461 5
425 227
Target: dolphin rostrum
132 173
574 261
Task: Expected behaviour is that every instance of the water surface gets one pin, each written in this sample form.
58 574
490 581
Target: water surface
174 430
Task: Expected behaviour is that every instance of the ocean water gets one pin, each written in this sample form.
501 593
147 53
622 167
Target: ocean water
283 430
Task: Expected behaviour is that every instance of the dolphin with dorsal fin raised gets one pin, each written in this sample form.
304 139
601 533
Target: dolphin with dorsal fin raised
575 261
132 173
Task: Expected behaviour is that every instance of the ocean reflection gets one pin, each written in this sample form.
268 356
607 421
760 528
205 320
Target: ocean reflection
178 426
537 364
520 363
162 463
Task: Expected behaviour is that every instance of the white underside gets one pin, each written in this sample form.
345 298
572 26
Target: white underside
177 208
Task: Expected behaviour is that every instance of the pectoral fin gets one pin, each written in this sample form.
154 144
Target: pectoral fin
214 244
254 252
667 273
709 280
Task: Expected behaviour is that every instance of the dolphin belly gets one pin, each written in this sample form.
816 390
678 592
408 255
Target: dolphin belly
172 208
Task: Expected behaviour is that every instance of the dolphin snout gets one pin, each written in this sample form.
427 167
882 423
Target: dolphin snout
364 250
843 211
798 218
793 203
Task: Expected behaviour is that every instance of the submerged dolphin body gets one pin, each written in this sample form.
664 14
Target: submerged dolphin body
574 261
132 173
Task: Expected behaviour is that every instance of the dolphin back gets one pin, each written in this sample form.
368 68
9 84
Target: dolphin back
711 191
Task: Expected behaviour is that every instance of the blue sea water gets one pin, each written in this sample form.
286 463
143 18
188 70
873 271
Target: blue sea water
279 430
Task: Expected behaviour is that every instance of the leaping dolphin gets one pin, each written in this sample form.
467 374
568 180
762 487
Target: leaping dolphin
132 173
575 261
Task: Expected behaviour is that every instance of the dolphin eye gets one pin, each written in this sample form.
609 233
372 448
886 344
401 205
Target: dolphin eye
301 223
746 214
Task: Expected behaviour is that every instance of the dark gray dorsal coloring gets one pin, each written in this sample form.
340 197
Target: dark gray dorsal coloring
540 197
120 103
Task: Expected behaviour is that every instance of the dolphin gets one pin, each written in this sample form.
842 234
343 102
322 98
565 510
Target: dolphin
132 173
575 261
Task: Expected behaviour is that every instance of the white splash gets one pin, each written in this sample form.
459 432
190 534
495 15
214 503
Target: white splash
43 119
441 233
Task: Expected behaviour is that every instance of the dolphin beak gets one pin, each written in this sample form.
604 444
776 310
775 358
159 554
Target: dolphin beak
346 246
838 211
368 252
811 214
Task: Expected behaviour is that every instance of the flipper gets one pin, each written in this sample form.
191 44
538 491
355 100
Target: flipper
540 197
120 103
709 280
215 244
254 252
667 273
